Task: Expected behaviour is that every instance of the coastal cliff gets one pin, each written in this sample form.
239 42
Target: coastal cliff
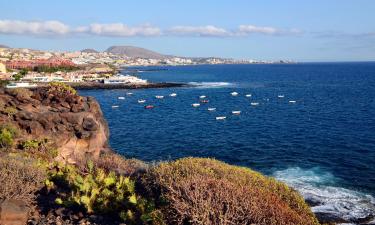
56 168
71 124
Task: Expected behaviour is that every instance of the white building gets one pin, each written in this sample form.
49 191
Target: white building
127 79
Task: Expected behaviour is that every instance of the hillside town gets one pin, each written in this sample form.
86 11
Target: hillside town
35 66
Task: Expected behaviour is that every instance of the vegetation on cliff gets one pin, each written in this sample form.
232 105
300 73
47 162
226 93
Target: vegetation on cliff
47 160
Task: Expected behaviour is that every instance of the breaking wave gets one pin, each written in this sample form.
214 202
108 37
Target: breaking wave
211 84
319 189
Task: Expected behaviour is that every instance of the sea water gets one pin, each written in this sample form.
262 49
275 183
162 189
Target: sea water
323 144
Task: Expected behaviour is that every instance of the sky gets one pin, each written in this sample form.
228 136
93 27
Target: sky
310 30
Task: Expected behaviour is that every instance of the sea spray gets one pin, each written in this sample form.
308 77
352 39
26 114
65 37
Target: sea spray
319 188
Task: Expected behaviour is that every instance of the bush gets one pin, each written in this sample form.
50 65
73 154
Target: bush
101 192
207 191
61 88
7 135
120 165
20 179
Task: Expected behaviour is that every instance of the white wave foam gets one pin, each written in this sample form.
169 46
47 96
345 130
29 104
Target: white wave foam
319 187
211 84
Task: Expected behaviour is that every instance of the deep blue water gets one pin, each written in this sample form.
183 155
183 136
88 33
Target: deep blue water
323 145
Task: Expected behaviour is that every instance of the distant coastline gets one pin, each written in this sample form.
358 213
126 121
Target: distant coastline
96 85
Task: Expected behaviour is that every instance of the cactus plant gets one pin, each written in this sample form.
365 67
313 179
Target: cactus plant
98 191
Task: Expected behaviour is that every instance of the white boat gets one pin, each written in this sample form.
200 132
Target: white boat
254 103
292 101
280 96
236 112
115 106
248 95
202 96
159 96
234 93
195 104
121 98
211 109
141 101
129 93
173 95
221 117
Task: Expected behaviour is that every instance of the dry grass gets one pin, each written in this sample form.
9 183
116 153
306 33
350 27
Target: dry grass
121 165
20 179
114 162
21 93
207 191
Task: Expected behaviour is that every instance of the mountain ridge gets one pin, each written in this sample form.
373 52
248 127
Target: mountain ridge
135 52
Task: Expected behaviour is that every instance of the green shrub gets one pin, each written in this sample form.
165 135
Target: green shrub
7 135
61 88
6 138
20 178
98 191
31 144
39 149
207 191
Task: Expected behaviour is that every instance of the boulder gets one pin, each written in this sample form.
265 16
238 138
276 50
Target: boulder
13 212
75 125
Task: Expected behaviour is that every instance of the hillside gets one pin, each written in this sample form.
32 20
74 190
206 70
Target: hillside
3 46
89 50
135 52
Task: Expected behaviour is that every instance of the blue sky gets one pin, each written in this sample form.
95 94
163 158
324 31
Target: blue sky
319 30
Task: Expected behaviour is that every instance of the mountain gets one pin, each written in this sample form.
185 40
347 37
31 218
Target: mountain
89 50
135 52
3 46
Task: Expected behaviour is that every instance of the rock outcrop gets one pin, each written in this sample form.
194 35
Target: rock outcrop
13 212
74 125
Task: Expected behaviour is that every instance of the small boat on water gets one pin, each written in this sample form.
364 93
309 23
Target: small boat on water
280 96
234 93
129 93
195 104
149 107
141 101
248 95
115 106
173 95
254 103
204 101
159 96
211 109
292 101
221 117
202 96
121 98
236 112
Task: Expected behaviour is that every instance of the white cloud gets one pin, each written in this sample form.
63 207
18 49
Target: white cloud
120 30
208 30
34 28
251 29
56 28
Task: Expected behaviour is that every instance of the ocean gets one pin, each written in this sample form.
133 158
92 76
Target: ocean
314 126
